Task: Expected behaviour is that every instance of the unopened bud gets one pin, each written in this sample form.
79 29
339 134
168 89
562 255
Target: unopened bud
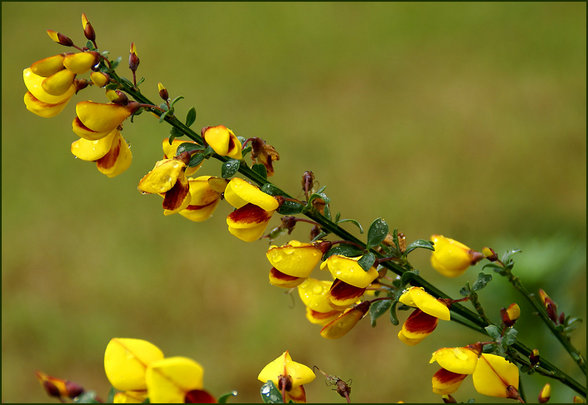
80 84
448 399
562 318
489 254
544 394
88 29
73 389
133 58
162 92
117 97
510 314
59 38
550 306
99 79
534 357
578 400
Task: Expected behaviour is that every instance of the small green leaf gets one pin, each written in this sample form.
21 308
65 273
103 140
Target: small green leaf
229 168
260 169
175 100
353 221
377 233
270 189
140 81
408 275
393 316
162 116
188 147
419 243
290 208
90 46
510 336
114 64
377 309
367 261
174 133
111 86
466 290
225 397
493 331
196 159
482 281
191 116
343 250
270 393
320 236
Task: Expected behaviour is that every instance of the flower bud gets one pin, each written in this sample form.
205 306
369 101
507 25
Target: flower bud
133 58
162 92
80 84
99 79
451 258
534 357
544 394
59 38
88 29
489 254
510 314
117 97
550 306
578 400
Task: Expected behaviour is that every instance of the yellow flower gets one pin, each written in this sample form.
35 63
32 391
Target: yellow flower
339 326
288 376
169 380
419 298
111 153
96 120
510 314
80 62
239 193
130 397
460 360
295 258
348 270
494 376
205 195
248 222
315 294
223 141
38 100
451 258
168 178
170 149
417 326
126 361
99 79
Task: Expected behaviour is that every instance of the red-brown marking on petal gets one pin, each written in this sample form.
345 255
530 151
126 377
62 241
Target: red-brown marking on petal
447 377
323 315
199 397
199 207
81 124
340 290
275 273
176 195
420 322
250 214
108 160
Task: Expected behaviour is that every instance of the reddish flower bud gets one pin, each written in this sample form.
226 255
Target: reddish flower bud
489 254
133 58
534 357
510 314
544 394
59 38
88 29
162 92
550 306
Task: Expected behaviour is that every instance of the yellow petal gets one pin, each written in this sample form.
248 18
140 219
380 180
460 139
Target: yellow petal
494 374
321 318
345 322
248 222
162 177
451 258
279 279
117 160
178 197
58 83
101 117
239 192
315 294
170 379
418 297
342 294
130 397
284 365
35 86
295 259
348 270
126 361
42 109
84 132
460 360
99 79
201 192
93 150
80 62
199 213
417 326
446 382
223 141
48 66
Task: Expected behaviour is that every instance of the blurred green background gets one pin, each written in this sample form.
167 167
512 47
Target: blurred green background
465 119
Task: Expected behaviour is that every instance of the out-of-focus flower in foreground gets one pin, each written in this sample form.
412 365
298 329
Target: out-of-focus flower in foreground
451 258
288 376
56 387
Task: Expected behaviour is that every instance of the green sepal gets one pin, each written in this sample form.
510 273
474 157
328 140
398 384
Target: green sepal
225 397
111 86
229 168
419 243
114 64
377 309
393 316
162 116
175 100
319 194
290 208
343 250
90 46
510 337
376 233
111 394
353 221
86 397
260 169
188 147
270 393
482 281
367 261
196 159
493 331
140 81
320 236
191 116
408 275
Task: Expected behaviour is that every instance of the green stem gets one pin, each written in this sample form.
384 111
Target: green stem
472 320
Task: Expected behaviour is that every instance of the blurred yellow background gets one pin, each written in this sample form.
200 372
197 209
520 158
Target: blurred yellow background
465 119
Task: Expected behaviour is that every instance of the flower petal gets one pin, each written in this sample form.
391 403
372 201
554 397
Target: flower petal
417 326
199 213
418 297
284 365
162 177
494 374
101 117
248 222
117 160
35 86
460 360
239 192
321 318
93 150
223 141
446 382
450 257
295 259
178 197
130 397
58 83
339 326
126 361
80 62
170 379
279 279
48 66
342 294
84 132
42 109
348 270
315 294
